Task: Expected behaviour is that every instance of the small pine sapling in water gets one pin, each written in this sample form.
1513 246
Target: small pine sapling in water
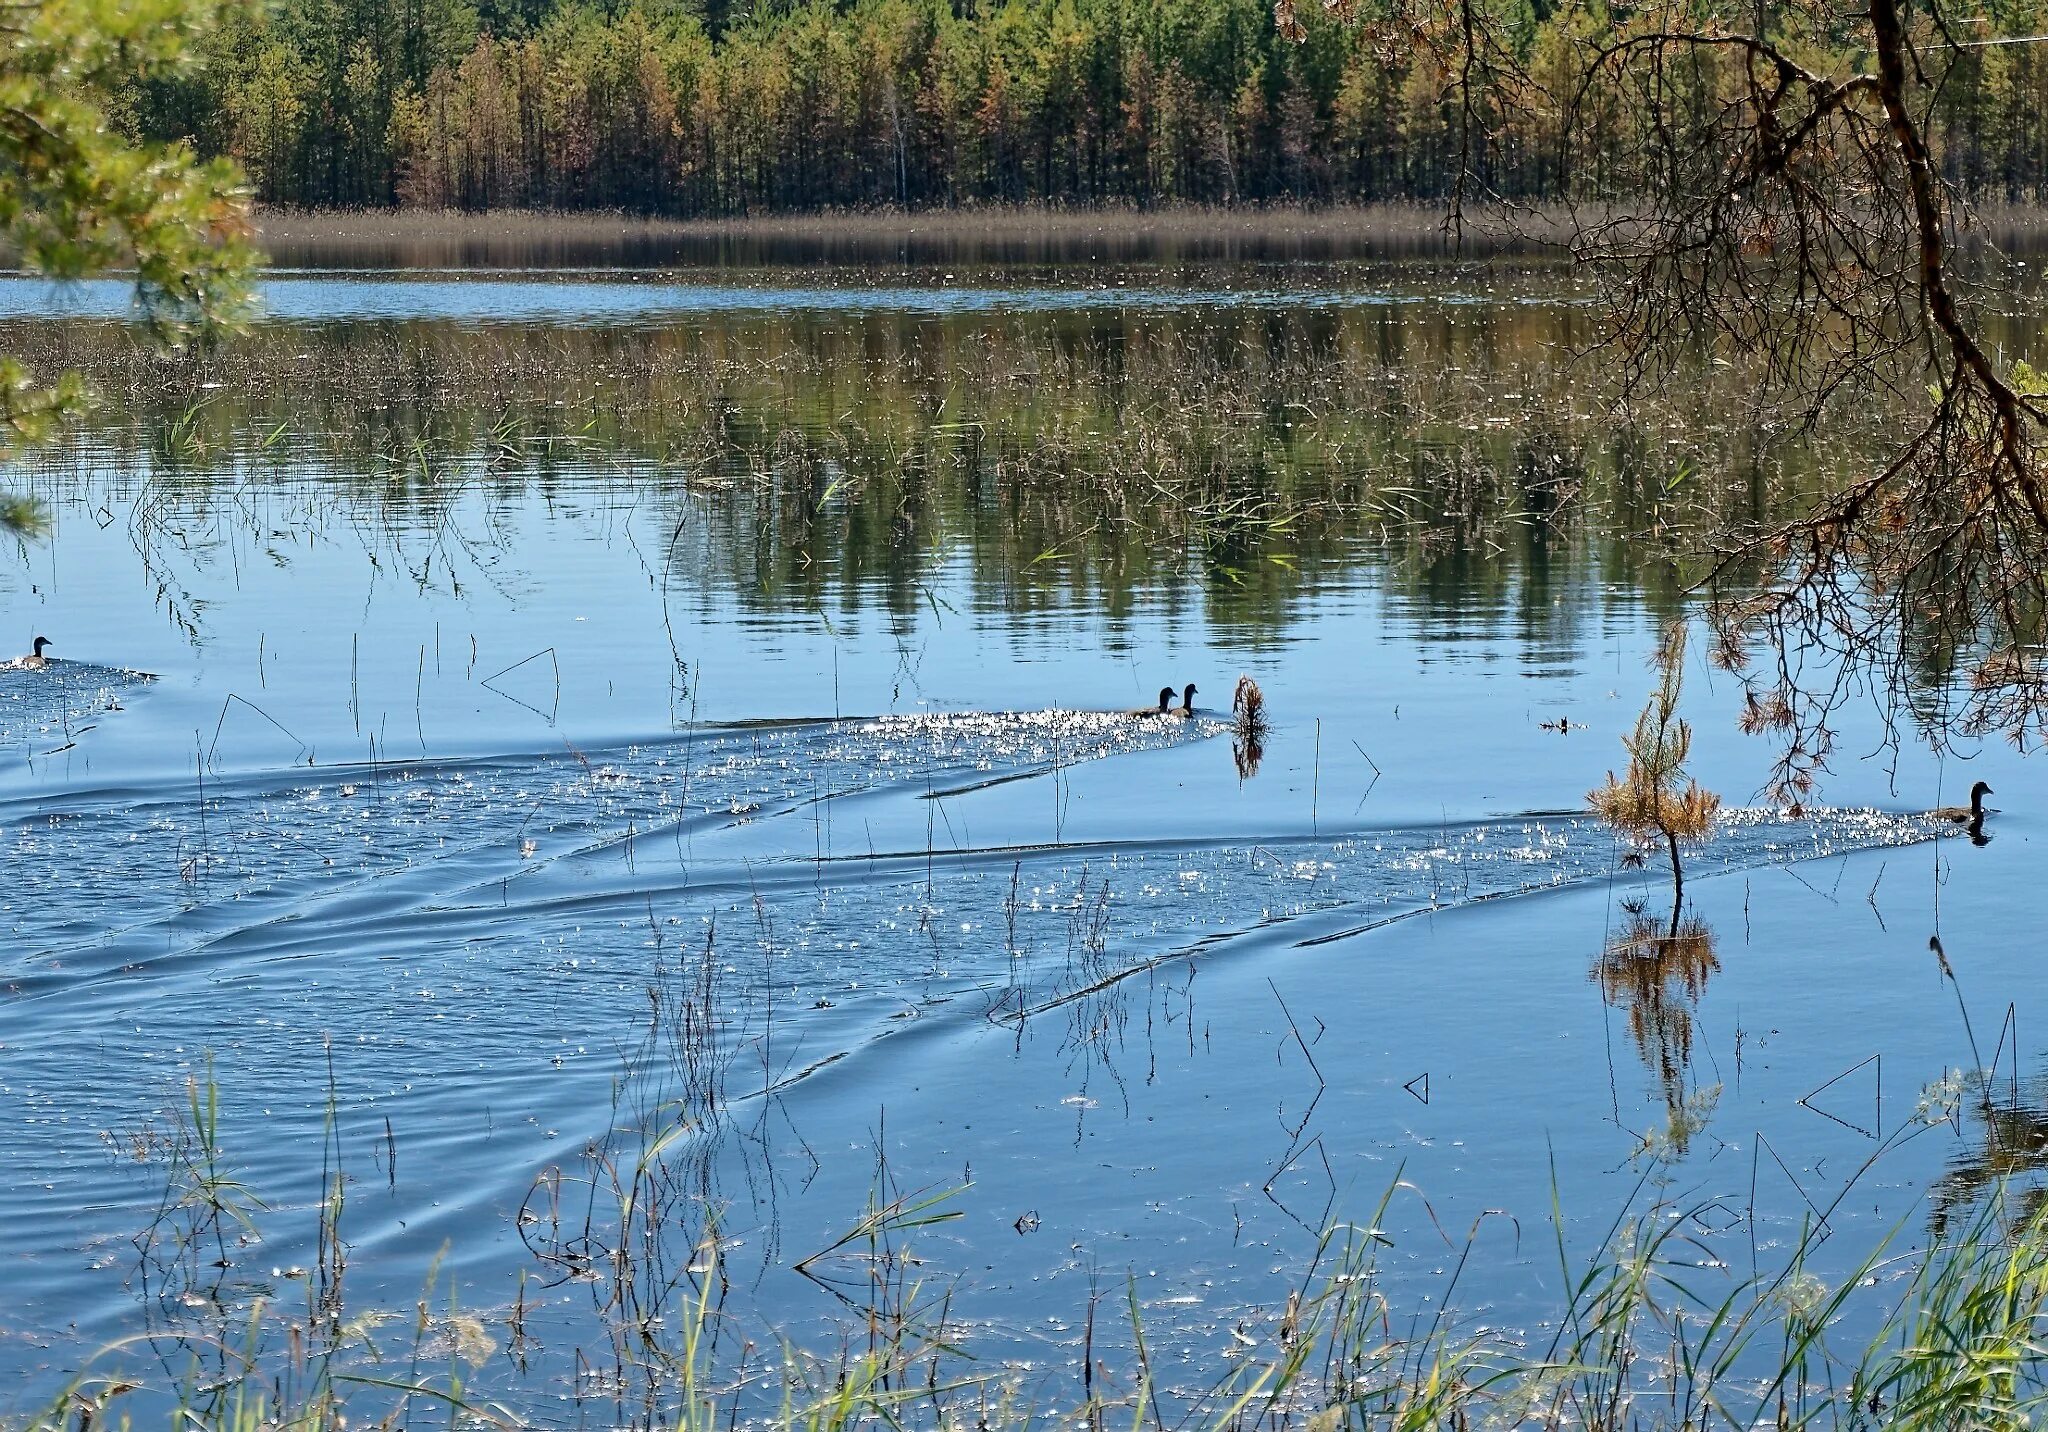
1248 709
1655 802
1248 722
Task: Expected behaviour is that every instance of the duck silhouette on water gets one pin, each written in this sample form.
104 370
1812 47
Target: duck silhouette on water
1971 815
1187 700
36 661
1164 708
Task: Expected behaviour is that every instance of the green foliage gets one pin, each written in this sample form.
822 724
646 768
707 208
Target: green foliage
28 413
718 108
1967 1349
653 107
76 199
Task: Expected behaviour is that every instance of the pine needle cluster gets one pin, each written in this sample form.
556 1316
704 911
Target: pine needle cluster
1655 802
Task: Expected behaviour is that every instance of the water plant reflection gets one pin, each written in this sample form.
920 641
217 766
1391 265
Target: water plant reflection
828 457
2008 1146
1656 969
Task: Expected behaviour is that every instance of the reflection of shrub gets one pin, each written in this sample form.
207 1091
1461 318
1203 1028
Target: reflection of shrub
1248 709
1657 972
1656 801
23 517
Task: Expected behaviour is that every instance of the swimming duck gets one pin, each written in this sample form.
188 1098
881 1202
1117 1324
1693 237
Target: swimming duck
1164 708
1971 814
36 661
1187 700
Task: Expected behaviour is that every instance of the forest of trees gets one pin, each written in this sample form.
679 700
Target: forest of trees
691 107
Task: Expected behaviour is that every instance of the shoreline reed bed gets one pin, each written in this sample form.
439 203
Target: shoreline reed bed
1653 1328
990 233
1231 423
1270 453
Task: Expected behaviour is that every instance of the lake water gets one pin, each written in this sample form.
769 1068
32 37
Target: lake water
583 708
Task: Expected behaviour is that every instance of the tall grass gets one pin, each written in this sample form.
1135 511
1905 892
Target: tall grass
1098 456
1652 1330
992 234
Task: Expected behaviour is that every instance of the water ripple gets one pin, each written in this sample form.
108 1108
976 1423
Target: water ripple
44 711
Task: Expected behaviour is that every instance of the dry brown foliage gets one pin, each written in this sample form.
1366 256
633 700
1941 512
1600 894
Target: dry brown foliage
1654 801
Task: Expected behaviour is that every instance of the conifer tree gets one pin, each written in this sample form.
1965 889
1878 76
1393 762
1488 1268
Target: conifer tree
1655 802
76 199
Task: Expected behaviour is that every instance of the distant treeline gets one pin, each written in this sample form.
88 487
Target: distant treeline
695 107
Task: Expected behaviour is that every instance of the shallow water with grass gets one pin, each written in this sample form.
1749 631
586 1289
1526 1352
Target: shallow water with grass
560 793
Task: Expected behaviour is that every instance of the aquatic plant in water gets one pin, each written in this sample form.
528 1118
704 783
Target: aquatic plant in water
1248 727
1655 801
1654 1330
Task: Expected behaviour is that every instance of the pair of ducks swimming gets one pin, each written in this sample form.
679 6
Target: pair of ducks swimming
1166 706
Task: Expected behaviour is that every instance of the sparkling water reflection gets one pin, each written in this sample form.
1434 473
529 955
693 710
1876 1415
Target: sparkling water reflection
482 733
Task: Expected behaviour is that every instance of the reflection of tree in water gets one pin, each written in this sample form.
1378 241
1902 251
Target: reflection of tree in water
1249 752
1232 461
1657 969
2007 1143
